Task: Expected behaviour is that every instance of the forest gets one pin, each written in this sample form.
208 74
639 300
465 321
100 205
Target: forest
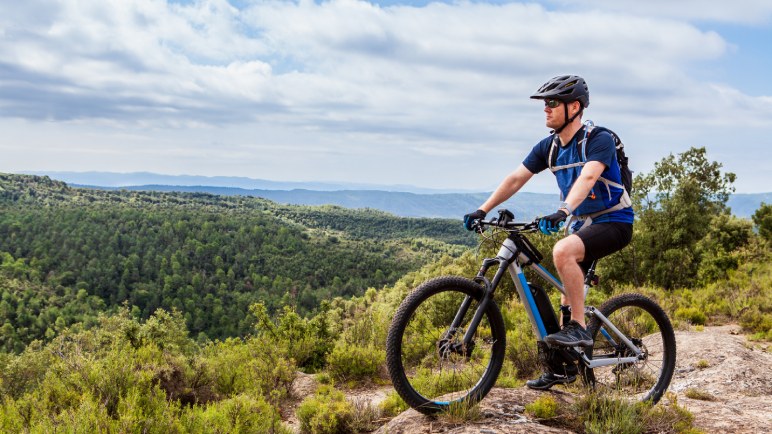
184 312
87 251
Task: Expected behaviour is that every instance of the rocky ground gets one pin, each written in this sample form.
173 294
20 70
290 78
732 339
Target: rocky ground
718 362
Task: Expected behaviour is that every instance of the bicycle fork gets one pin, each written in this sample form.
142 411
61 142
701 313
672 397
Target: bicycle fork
465 346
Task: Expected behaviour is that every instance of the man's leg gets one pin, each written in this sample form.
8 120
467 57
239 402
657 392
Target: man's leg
567 255
596 242
589 243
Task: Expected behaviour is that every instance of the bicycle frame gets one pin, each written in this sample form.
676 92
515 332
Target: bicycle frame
511 258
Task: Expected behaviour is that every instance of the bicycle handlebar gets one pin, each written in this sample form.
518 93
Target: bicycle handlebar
504 221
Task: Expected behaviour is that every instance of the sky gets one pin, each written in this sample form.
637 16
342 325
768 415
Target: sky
391 92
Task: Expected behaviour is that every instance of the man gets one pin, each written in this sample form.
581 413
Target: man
592 191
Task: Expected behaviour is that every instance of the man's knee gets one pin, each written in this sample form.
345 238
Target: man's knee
569 250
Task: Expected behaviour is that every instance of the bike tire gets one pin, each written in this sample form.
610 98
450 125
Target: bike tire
427 380
643 320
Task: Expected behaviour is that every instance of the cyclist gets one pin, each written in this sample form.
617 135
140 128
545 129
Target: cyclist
584 185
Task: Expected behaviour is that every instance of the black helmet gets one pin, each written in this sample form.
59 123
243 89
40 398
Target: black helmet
566 88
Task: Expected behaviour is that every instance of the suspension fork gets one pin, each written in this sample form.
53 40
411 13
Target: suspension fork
489 288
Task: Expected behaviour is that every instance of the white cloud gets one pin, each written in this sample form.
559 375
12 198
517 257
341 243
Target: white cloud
354 78
737 11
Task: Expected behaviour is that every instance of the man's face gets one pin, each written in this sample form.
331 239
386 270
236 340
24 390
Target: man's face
555 113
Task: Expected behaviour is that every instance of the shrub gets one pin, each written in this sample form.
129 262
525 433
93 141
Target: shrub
349 362
393 405
326 412
691 314
668 416
544 407
508 377
461 412
757 321
603 413
699 394
306 341
240 414
364 416
521 342
324 378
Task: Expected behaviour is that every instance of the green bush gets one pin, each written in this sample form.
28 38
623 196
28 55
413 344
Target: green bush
756 320
364 416
240 414
127 376
699 394
326 412
393 404
521 350
544 407
349 362
604 413
692 314
306 341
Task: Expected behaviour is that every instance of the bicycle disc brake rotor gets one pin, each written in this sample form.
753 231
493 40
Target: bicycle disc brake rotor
627 352
448 346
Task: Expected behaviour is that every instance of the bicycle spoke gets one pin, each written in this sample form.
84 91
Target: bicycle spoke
638 319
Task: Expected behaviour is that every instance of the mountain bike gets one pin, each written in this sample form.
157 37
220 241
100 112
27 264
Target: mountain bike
447 341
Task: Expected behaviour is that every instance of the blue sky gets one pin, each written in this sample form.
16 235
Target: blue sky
432 94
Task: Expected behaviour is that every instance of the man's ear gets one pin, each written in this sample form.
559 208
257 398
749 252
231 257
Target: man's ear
577 105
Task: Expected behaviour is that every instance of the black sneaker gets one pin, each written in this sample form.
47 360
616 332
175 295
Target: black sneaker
548 379
572 335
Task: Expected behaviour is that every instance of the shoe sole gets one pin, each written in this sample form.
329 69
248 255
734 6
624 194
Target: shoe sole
549 386
549 341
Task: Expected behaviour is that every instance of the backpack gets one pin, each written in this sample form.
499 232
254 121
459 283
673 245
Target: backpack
622 160
624 169
626 174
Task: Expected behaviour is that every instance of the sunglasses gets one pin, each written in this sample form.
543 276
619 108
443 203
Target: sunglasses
551 103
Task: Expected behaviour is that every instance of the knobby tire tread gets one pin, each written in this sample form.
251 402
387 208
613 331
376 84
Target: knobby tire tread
400 321
663 322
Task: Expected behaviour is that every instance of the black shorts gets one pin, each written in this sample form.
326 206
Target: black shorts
603 239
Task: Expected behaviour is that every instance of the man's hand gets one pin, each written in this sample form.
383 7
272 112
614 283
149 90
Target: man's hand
470 218
552 223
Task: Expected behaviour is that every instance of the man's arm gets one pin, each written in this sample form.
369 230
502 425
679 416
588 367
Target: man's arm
508 187
591 171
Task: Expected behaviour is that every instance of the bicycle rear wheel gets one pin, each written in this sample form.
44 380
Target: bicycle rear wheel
648 327
429 367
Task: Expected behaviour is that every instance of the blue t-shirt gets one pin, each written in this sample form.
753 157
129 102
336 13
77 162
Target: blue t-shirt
600 147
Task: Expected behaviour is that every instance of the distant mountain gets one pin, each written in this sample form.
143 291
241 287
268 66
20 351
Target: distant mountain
400 200
449 205
112 179
744 204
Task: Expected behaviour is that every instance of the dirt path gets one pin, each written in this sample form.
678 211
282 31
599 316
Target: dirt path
738 373
717 362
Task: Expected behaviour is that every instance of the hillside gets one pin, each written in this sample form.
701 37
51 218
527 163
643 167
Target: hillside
71 253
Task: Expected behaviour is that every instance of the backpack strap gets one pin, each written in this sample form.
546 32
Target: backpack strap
552 158
624 201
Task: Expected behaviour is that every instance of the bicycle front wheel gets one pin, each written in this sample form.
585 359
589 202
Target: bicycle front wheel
647 326
429 366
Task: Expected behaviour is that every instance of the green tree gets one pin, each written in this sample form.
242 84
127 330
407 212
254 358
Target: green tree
675 203
762 218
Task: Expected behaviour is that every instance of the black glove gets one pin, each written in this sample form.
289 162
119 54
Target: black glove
552 223
470 218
